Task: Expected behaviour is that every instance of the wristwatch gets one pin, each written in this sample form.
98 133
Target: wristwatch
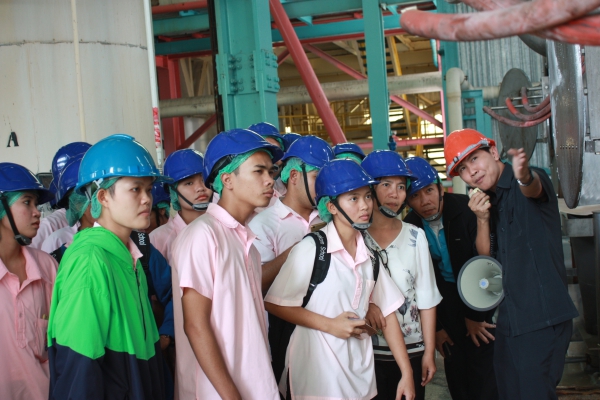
530 181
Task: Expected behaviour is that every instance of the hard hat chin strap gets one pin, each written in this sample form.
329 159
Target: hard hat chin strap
358 227
305 176
21 239
387 211
197 206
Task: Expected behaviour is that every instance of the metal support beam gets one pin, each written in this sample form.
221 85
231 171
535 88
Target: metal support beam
334 91
308 74
379 100
246 64
409 142
318 33
596 216
199 132
172 8
169 87
357 75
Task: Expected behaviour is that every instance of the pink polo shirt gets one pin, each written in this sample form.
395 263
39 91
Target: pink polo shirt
24 372
162 237
322 366
278 228
49 224
215 257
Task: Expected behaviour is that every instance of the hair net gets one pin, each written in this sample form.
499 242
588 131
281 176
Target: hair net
295 163
163 205
78 203
11 197
232 166
96 206
324 214
174 197
350 156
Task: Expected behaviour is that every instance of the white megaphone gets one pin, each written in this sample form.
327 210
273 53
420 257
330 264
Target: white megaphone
480 283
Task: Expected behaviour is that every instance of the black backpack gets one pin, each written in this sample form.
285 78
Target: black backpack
280 330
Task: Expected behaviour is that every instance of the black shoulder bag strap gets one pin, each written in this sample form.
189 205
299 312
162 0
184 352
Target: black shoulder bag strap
142 241
321 265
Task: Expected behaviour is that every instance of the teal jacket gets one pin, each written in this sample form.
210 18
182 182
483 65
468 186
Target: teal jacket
103 339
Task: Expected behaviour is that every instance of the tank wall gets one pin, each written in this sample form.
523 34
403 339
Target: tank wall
39 82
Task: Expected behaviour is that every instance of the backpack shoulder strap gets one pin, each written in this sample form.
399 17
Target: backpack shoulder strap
59 253
321 264
142 241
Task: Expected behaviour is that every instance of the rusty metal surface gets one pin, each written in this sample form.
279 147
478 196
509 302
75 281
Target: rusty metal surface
569 112
514 137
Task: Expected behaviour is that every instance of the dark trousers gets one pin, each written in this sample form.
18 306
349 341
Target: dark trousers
530 366
469 369
387 375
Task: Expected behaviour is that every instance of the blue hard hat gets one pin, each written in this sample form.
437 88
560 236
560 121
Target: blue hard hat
182 164
16 178
341 176
52 189
159 194
226 145
382 163
348 148
65 154
266 129
117 155
312 150
424 173
68 178
288 139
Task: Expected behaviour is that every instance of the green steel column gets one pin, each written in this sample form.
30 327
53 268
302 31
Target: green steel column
448 52
246 64
379 99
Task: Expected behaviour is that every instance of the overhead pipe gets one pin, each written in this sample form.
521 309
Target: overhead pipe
172 8
439 141
550 19
306 72
357 75
335 91
455 77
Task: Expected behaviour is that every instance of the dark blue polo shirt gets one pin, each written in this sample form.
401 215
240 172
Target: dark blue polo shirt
530 251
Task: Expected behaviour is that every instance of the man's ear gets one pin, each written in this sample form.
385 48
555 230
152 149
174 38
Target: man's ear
102 195
494 153
294 176
227 180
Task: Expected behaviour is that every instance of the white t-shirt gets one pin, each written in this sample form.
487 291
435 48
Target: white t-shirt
320 365
411 268
60 237
49 224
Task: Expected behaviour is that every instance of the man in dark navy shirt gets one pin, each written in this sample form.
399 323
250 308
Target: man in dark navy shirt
535 318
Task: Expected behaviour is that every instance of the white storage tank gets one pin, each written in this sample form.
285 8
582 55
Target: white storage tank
71 70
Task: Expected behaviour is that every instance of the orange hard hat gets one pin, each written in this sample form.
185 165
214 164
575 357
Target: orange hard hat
461 143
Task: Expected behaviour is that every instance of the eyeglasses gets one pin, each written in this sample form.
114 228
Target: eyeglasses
384 259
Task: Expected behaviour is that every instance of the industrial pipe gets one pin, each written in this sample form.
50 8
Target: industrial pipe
525 117
455 77
306 72
357 75
512 122
532 109
335 91
527 17
199 132
153 83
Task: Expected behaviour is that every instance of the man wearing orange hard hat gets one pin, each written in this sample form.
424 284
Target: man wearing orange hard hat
534 322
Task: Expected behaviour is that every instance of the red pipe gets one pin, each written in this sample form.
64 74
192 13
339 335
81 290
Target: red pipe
524 117
171 8
357 75
512 122
199 132
306 72
528 17
532 109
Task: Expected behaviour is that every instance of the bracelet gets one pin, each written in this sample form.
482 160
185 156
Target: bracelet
530 181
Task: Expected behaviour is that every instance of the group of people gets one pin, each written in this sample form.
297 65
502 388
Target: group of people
275 266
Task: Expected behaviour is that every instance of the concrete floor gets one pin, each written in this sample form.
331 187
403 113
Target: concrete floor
580 381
